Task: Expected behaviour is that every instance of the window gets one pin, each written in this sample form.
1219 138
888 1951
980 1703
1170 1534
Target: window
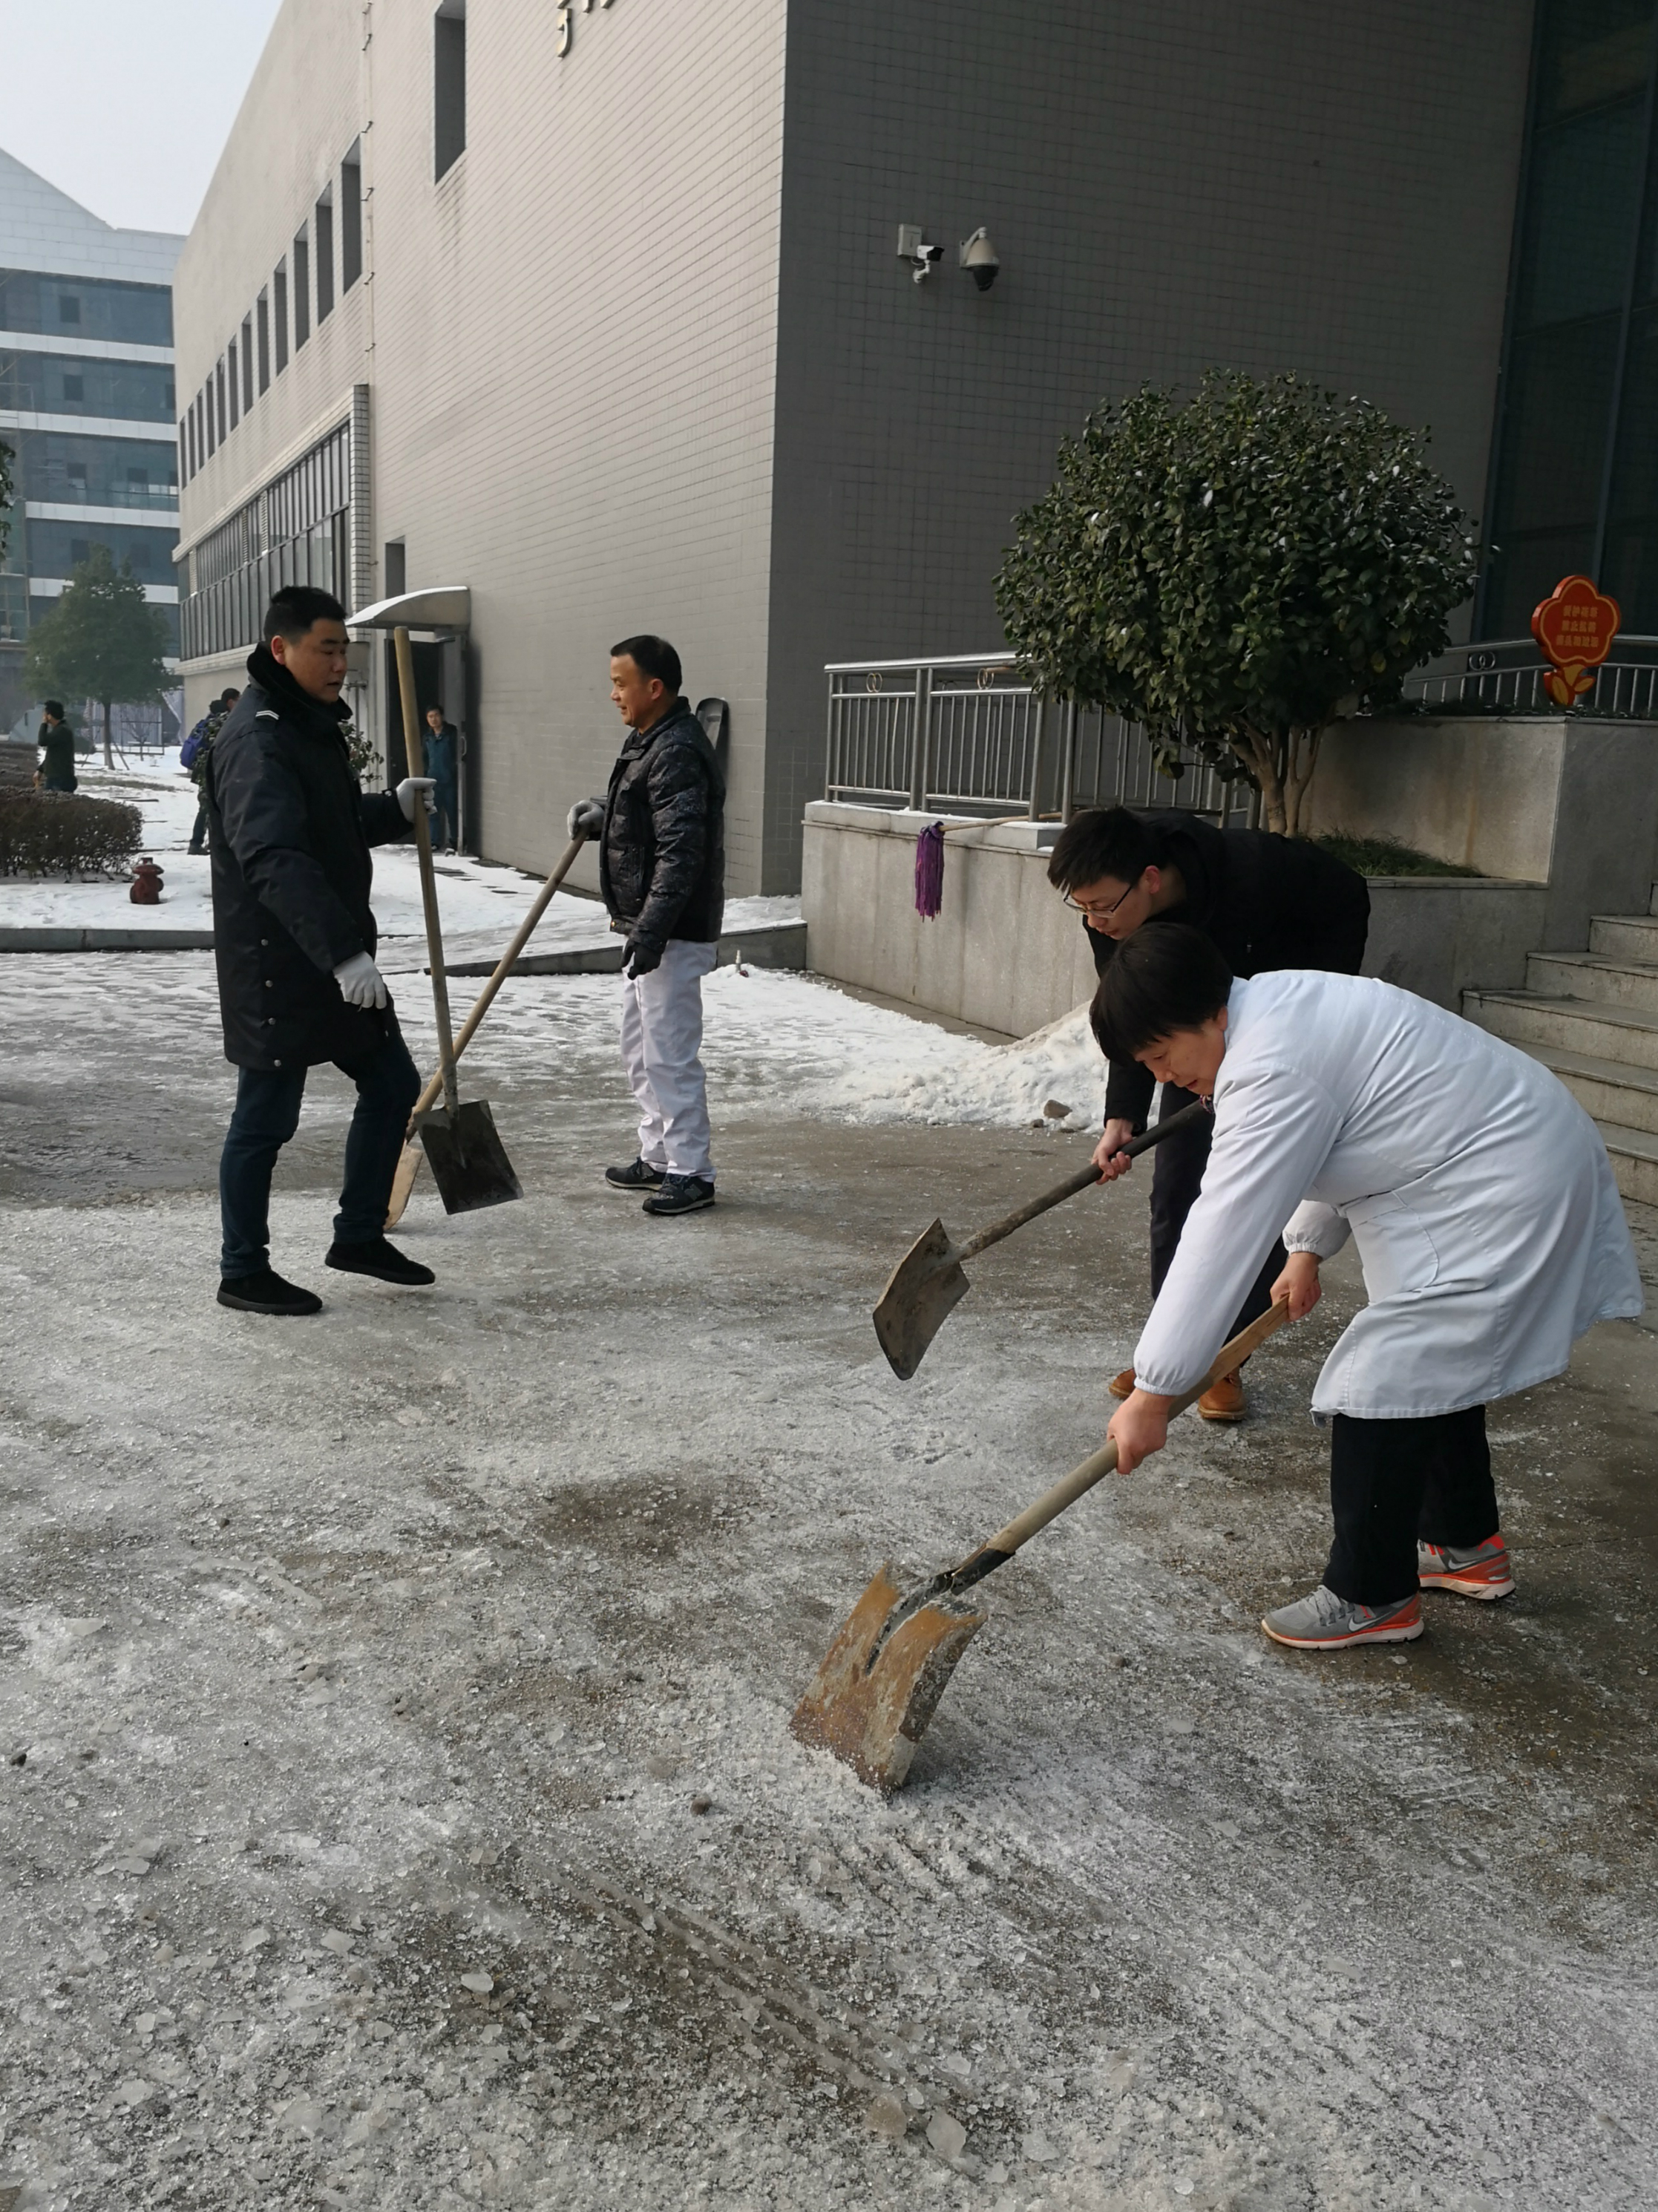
75 388
351 218
279 312
397 568
234 383
218 399
183 447
262 316
80 549
448 85
1572 485
139 314
69 307
76 473
323 228
302 289
248 364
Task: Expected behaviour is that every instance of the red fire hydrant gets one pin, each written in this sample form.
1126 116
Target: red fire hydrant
146 883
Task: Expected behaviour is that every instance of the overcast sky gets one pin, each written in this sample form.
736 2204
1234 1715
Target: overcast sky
125 104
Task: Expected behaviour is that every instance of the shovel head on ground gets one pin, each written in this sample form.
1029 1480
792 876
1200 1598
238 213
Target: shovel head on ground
870 1700
470 1164
922 1291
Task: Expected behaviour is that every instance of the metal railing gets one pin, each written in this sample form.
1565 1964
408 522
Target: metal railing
1505 675
962 735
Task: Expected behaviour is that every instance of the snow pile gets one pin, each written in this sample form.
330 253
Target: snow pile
928 1076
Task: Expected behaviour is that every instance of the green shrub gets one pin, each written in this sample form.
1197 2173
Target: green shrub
1380 856
44 834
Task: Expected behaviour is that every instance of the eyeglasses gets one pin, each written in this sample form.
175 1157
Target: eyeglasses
1092 911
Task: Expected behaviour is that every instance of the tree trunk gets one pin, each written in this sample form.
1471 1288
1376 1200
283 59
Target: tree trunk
1259 755
109 757
1302 760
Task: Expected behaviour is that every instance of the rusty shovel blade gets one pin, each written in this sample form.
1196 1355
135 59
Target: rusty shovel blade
882 1676
470 1164
922 1291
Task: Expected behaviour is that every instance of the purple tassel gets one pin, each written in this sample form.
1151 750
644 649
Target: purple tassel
930 871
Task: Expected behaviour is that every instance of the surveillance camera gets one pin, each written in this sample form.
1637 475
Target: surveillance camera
979 259
912 247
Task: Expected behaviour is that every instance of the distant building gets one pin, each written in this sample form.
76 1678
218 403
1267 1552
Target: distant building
599 311
86 405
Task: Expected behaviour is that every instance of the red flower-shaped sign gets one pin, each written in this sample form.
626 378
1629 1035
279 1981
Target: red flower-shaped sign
1575 627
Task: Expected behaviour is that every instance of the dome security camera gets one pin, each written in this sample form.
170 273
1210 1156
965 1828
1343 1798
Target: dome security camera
979 259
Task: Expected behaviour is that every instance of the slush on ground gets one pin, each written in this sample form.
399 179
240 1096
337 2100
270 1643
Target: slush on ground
398 1807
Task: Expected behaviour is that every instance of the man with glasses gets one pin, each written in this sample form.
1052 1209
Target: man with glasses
1265 902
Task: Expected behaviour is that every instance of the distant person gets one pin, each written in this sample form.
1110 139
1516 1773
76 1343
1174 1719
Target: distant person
192 758
1265 902
661 828
293 941
57 742
441 743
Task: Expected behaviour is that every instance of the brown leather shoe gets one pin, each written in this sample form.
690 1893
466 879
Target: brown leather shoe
1226 1401
1122 1386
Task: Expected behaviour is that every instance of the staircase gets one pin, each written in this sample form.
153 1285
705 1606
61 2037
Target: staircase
1593 1017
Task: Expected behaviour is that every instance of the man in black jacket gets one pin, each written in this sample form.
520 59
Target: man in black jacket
293 940
1267 903
661 828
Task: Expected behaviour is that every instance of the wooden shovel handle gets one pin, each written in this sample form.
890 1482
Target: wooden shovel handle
503 968
429 882
1198 1110
1048 1507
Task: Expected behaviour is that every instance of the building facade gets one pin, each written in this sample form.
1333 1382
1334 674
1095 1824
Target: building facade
598 310
87 405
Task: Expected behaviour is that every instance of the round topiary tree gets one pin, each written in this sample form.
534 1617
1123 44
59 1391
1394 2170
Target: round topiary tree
1237 572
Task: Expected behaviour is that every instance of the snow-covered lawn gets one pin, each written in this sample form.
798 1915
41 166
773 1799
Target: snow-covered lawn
397 1808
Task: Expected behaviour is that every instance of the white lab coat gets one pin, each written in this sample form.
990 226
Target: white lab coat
1488 1224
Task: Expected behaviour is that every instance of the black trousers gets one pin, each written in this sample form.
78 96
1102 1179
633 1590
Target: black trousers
1392 1482
267 1114
1177 1175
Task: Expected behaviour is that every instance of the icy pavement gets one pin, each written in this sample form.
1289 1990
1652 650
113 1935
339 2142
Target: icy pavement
401 1811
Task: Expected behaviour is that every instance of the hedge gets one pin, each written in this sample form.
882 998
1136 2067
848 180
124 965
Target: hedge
43 832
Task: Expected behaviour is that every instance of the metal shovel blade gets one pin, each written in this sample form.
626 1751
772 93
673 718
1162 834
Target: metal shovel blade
882 1677
470 1164
922 1291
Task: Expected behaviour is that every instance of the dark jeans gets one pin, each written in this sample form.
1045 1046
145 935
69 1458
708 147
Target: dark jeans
1392 1482
1177 1175
266 1115
446 822
198 834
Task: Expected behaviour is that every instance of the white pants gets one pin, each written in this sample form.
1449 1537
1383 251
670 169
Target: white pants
661 1040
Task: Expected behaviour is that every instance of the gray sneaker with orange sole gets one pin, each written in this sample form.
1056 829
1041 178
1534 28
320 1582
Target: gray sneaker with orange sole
1485 1570
1325 1622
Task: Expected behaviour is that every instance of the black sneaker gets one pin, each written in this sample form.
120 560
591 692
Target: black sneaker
267 1293
680 1194
381 1260
634 1176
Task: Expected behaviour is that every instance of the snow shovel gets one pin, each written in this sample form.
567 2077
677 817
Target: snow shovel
403 1182
927 1284
468 1161
882 1676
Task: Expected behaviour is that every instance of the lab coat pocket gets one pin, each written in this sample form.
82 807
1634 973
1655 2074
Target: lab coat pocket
1394 1249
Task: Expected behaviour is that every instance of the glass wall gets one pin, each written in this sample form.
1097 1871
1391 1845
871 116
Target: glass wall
1575 475
296 531
86 308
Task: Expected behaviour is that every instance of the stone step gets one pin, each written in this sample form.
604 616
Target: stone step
1634 1156
1585 1025
1625 936
1607 1090
1604 980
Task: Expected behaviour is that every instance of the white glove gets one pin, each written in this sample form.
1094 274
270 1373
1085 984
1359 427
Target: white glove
361 982
407 789
585 818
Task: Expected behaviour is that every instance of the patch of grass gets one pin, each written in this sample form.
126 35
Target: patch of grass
1380 856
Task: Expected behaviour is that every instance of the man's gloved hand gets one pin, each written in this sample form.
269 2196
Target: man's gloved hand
585 818
361 982
407 789
638 955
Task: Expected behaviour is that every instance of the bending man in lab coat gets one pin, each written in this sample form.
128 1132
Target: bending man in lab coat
1488 1225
